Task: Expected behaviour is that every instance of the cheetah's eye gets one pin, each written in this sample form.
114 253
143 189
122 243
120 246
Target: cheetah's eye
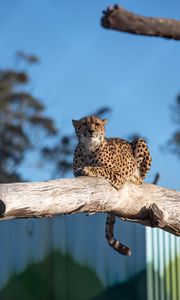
97 124
83 124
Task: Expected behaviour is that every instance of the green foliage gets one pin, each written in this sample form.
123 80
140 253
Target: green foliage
57 277
132 289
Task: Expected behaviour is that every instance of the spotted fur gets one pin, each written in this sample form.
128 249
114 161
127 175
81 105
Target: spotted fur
114 159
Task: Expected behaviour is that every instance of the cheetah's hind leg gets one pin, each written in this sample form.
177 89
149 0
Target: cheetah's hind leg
142 156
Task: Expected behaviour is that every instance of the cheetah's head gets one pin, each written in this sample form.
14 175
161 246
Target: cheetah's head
90 131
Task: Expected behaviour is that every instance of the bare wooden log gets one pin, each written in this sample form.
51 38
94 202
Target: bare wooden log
147 204
120 19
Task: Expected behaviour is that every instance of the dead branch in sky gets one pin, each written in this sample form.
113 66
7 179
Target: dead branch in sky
118 18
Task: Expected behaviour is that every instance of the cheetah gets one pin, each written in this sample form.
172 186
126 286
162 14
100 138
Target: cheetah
115 159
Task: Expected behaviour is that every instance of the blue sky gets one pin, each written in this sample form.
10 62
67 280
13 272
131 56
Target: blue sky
84 67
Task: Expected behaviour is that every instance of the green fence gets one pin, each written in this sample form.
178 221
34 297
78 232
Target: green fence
163 265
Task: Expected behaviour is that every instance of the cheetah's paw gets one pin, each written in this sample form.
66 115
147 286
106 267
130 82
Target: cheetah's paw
89 171
78 172
86 171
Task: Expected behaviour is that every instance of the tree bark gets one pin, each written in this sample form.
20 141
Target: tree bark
146 204
121 19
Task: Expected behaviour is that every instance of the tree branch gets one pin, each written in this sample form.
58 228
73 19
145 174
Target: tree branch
146 204
121 19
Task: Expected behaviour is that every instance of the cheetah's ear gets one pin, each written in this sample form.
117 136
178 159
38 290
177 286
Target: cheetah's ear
75 122
105 121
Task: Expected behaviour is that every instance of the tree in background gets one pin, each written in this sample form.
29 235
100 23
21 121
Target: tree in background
22 120
174 142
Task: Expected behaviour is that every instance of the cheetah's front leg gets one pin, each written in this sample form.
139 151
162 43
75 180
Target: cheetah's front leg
114 178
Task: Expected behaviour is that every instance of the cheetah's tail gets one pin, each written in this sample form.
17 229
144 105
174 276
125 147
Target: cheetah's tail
118 246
